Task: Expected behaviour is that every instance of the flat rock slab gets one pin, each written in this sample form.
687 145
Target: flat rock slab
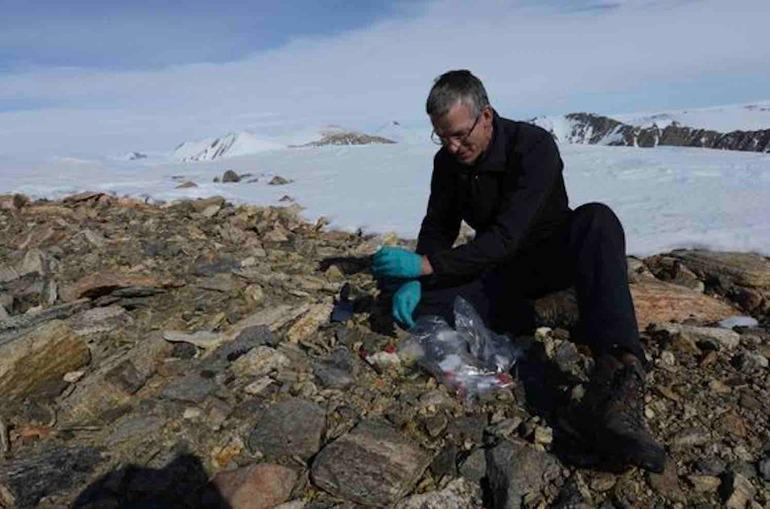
42 355
515 469
290 428
101 283
654 301
372 465
743 269
714 337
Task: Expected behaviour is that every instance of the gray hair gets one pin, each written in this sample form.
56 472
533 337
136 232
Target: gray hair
454 86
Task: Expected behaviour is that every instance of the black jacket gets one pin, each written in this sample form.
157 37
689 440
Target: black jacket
513 196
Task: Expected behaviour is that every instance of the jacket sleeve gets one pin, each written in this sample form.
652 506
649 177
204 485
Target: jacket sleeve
441 224
540 169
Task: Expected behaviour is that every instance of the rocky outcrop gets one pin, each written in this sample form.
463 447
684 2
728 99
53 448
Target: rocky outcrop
188 354
589 128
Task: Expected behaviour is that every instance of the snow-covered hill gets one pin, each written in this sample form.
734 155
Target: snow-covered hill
749 128
230 145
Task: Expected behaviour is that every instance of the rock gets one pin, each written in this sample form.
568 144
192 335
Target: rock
435 424
201 339
764 468
744 269
474 468
25 481
515 469
230 176
34 262
738 321
458 494
732 423
211 211
737 492
654 301
273 317
191 388
102 319
666 484
384 361
260 486
749 362
337 370
112 385
186 185
371 465
445 462
704 483
132 427
469 428
690 437
218 282
102 283
258 386
309 322
713 338
278 181
260 361
657 301
288 428
246 340
44 354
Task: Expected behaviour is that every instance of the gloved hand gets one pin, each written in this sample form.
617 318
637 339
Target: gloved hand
405 301
396 262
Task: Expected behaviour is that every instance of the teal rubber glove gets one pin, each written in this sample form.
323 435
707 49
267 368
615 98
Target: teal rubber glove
405 301
396 262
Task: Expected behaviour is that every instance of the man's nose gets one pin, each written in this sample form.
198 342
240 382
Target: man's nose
452 146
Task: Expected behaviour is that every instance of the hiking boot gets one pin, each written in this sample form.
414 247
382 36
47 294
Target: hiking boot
612 413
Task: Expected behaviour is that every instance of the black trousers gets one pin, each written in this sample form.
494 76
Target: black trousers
587 252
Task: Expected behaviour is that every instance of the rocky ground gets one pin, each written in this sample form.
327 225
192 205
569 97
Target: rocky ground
183 355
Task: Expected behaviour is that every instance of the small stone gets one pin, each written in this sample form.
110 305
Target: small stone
210 211
260 486
73 376
667 358
750 361
255 294
474 468
334 274
191 387
435 425
468 428
309 322
192 413
515 470
278 181
666 484
719 387
733 424
458 494
603 481
259 361
764 468
258 386
690 437
737 492
290 427
202 339
543 435
230 176
704 483
187 185
445 462
384 360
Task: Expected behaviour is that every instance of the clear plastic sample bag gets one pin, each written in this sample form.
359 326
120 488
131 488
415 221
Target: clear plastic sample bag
470 359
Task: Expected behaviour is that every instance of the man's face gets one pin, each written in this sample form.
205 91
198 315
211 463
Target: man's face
465 137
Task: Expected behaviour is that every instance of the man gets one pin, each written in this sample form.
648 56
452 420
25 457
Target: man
504 178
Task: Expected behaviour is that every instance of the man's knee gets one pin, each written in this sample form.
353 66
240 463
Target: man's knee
599 217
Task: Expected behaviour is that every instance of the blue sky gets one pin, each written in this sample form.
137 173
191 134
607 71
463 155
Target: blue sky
111 76
151 34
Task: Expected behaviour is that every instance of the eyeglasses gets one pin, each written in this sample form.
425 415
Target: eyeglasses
459 138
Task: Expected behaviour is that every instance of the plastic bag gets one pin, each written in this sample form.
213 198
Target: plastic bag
471 360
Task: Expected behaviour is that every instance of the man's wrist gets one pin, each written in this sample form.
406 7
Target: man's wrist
427 268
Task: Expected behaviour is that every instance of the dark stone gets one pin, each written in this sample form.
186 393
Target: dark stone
337 370
248 338
468 428
291 427
210 268
445 462
230 176
764 468
474 468
710 466
372 465
183 351
515 469
127 377
55 470
191 387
